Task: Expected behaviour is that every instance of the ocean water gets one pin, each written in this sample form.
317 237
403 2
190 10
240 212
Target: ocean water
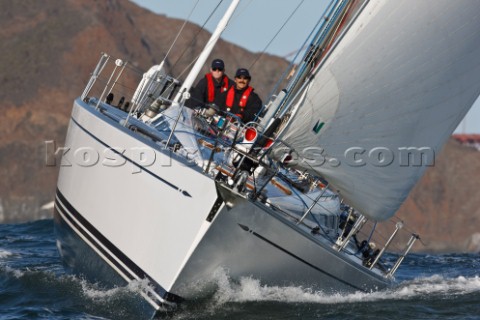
33 285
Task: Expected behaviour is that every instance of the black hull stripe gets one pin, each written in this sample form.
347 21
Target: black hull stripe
300 259
171 185
114 251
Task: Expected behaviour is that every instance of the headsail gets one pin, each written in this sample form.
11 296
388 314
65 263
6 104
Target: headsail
403 76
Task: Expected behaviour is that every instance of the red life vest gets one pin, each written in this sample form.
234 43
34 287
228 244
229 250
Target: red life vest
243 99
211 86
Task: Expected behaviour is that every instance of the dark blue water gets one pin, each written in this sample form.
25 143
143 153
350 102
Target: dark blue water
33 285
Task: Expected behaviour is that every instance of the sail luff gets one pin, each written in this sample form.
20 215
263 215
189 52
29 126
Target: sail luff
334 21
400 78
317 49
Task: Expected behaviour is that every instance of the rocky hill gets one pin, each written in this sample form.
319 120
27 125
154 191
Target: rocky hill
48 49
444 207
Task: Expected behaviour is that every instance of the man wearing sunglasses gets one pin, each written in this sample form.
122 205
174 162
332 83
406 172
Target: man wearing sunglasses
240 98
209 88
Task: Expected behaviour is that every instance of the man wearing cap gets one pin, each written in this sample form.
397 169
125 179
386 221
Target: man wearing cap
240 98
209 88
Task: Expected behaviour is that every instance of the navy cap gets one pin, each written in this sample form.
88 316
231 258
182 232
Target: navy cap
218 63
242 72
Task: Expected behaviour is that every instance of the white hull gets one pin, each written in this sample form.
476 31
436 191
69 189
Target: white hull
251 240
165 224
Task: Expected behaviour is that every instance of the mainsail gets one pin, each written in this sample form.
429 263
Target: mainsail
400 79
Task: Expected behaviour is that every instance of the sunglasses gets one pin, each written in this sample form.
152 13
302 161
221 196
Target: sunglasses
243 78
217 69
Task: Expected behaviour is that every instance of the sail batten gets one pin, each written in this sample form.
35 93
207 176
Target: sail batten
395 86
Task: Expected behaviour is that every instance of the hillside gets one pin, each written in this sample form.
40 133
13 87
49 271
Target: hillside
445 205
48 49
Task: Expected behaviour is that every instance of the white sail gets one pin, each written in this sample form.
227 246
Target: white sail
403 76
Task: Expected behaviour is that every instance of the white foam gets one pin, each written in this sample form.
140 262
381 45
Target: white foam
96 293
249 289
48 206
91 291
5 254
14 272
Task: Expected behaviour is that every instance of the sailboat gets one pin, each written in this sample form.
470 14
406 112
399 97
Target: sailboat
154 191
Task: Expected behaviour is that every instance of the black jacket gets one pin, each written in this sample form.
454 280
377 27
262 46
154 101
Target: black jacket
252 108
199 93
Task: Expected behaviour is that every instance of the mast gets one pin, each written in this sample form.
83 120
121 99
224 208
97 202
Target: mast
318 48
326 33
187 84
177 110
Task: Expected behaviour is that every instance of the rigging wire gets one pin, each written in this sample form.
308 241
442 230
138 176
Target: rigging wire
310 39
240 11
285 179
375 223
193 39
276 34
238 14
181 29
372 232
195 36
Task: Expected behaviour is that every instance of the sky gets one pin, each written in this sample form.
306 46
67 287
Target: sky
250 27
254 28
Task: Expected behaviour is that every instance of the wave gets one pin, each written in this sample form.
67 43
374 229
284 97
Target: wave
425 298
5 254
31 274
248 289
44 289
77 285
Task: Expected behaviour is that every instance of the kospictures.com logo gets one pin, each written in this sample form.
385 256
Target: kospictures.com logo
359 157
312 157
